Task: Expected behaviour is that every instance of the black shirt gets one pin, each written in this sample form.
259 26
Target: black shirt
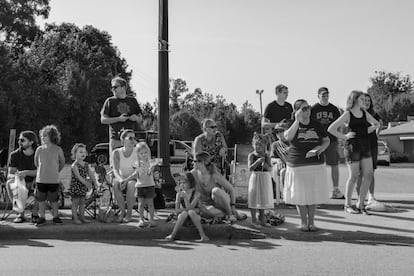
22 162
325 115
115 107
276 113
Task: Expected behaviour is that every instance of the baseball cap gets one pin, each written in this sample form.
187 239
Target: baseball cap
188 177
323 90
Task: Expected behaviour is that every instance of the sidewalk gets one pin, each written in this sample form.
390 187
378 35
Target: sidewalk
335 225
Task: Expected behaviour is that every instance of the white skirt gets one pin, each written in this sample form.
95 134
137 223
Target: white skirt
260 192
306 185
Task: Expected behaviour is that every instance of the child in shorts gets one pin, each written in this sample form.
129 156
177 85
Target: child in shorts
49 161
145 184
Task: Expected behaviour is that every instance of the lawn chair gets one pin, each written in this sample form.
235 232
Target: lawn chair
279 150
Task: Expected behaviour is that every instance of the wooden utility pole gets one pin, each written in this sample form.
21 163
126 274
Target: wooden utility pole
163 98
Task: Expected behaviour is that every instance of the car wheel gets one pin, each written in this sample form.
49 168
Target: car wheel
102 159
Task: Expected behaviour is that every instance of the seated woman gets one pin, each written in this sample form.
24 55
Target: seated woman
217 198
186 206
212 142
124 160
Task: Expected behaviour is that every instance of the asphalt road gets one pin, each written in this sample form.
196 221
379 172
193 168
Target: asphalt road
242 257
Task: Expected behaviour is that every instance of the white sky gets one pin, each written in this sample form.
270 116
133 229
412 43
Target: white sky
233 47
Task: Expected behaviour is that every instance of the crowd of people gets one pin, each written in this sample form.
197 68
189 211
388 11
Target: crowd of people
303 144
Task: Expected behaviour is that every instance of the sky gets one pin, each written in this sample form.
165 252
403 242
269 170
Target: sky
234 47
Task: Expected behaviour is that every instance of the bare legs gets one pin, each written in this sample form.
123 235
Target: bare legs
363 167
307 216
182 217
130 198
78 204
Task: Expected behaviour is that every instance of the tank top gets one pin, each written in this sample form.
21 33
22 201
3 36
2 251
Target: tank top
126 164
359 126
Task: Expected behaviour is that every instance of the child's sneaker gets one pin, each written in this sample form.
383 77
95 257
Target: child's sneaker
57 220
336 194
40 221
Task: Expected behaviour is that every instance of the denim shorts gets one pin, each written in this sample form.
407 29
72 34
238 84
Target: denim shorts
146 192
47 191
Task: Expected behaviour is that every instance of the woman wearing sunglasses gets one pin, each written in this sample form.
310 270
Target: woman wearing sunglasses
212 142
217 199
124 161
306 178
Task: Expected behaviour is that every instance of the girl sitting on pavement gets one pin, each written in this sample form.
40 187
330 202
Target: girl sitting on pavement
260 191
186 204
80 184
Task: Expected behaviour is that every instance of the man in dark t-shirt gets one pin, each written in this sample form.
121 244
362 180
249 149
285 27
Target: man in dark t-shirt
326 113
22 165
279 110
120 111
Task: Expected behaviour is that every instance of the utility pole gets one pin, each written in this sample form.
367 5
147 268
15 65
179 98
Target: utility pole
260 92
163 98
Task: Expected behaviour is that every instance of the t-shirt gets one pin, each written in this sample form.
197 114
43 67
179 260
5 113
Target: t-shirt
49 159
22 162
115 107
326 115
276 113
306 138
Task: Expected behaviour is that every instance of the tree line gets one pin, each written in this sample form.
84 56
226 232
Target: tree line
61 75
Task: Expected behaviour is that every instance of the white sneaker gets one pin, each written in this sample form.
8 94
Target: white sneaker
336 194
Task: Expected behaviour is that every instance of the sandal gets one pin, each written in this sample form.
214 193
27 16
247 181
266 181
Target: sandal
350 210
304 228
363 211
313 228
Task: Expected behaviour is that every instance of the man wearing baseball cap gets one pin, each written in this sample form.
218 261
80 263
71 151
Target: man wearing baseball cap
326 113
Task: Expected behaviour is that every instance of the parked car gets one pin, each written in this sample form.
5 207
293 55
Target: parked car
384 155
178 149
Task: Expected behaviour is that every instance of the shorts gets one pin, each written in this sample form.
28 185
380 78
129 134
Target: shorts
374 155
146 192
331 154
356 152
47 191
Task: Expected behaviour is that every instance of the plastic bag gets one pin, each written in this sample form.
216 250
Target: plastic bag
20 193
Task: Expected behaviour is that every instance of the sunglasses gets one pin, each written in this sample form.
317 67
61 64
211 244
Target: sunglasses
22 140
305 108
130 138
213 127
115 87
197 161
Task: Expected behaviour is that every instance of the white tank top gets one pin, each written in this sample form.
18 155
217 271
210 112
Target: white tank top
126 164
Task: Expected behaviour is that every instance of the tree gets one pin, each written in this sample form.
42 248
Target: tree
18 20
184 126
63 78
392 95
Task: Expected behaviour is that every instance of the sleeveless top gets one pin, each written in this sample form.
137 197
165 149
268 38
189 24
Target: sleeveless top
126 164
260 168
145 179
213 147
360 126
191 199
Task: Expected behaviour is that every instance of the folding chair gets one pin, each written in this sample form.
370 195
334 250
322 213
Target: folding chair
279 151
